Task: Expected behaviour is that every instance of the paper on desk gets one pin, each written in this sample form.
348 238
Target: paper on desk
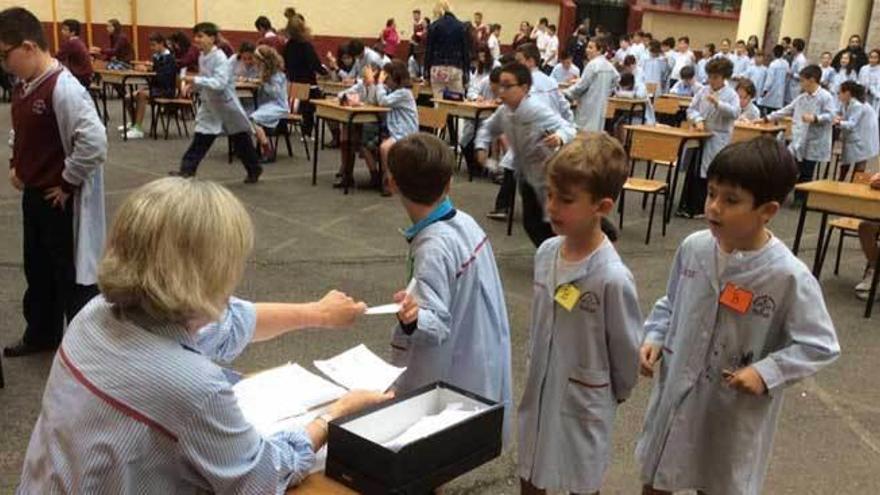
280 393
359 369
453 414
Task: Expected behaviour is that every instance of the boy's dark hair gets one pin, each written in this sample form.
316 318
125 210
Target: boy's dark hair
629 60
711 48
799 44
778 51
627 80
855 89
421 165
399 73
72 25
825 53
593 161
812 72
507 58
686 39
206 28
786 39
494 27
520 72
355 48
18 25
762 166
601 43
247 47
552 27
720 66
530 52
625 37
566 55
495 75
654 47
727 40
748 86
157 38
263 23
543 20
417 11
669 42
740 42
687 72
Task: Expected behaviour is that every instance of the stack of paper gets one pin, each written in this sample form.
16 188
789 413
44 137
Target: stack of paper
453 414
360 369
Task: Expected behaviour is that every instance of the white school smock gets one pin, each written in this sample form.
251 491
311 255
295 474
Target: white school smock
581 363
841 76
547 89
272 102
680 61
775 84
561 75
656 70
858 132
809 141
462 335
220 109
750 112
719 120
591 91
403 119
758 75
827 77
683 88
794 76
699 433
700 72
869 77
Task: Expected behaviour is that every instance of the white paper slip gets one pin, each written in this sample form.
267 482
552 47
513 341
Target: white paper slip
427 426
280 393
385 309
360 369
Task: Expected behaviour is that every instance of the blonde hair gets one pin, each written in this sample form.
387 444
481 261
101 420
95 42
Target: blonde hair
441 8
270 62
593 161
176 250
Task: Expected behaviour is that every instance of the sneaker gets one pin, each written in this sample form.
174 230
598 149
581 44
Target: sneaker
121 128
252 178
863 296
865 284
134 133
497 214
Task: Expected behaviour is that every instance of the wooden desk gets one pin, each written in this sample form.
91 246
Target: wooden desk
470 110
628 105
318 484
671 104
838 198
660 143
744 131
331 109
248 89
129 80
332 88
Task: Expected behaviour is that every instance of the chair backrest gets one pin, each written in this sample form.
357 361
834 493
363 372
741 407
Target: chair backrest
297 94
432 118
647 146
610 110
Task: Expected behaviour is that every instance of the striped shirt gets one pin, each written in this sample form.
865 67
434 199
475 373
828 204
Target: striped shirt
135 405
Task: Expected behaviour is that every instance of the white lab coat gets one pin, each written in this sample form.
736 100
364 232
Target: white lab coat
810 141
683 88
774 85
581 364
561 75
794 76
656 70
750 112
719 120
858 132
272 103
699 433
840 77
220 109
592 91
869 77
547 89
758 75
462 335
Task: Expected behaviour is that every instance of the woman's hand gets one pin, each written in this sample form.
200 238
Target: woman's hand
357 400
337 310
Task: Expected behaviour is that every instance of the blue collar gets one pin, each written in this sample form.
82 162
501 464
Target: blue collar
439 213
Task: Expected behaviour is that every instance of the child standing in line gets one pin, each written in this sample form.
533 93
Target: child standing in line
586 326
757 73
59 147
74 54
272 100
707 55
742 319
858 129
453 326
745 89
846 72
714 109
591 91
394 90
812 113
220 110
827 70
798 62
773 95
655 68
869 77
163 85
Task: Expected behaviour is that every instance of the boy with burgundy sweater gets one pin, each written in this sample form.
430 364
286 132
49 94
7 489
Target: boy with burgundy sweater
58 151
73 53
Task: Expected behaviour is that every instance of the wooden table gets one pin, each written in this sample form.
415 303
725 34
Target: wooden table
661 143
332 88
744 131
470 110
838 198
332 110
671 104
628 105
248 89
129 80
318 484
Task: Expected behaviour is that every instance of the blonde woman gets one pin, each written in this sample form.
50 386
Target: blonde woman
272 103
134 402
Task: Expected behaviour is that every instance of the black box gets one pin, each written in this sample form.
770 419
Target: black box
368 467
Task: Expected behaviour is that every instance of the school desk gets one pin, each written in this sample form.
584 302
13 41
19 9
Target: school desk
627 105
330 109
671 104
469 110
247 89
837 198
333 88
318 484
130 80
666 145
743 131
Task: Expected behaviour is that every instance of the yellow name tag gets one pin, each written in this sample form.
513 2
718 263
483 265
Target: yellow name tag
567 296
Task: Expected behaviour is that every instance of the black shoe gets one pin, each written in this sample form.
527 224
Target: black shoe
341 183
181 173
21 348
253 177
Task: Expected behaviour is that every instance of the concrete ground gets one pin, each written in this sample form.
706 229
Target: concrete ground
312 239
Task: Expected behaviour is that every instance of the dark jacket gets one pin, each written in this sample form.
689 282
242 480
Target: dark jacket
301 62
448 44
857 57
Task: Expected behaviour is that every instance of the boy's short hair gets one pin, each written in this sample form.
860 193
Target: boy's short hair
520 72
799 44
786 39
566 55
825 53
748 86
762 166
686 39
355 48
263 23
812 72
629 60
72 25
669 41
176 250
778 51
495 75
552 28
625 37
246 47
18 25
157 38
601 43
593 161
207 28
687 72
654 47
720 66
855 89
530 52
421 165
627 80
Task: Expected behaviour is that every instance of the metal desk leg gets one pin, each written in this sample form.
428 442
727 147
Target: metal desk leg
800 228
872 294
511 207
318 122
817 260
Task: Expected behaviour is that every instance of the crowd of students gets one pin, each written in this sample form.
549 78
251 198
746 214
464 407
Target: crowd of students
741 319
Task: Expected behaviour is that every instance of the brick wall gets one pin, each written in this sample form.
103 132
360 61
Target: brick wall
825 31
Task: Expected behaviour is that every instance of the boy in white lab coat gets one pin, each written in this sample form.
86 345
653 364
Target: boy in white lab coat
591 91
748 111
742 319
857 122
773 92
586 326
220 110
453 323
